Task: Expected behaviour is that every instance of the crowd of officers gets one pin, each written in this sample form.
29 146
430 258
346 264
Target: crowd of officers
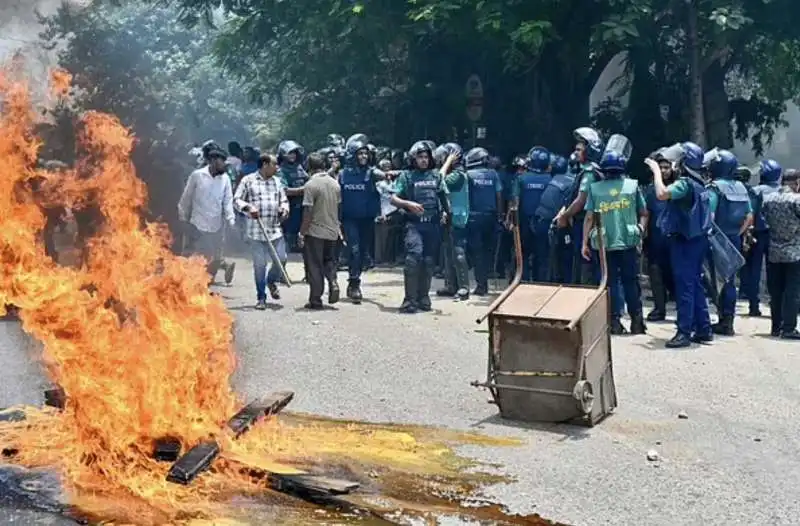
457 210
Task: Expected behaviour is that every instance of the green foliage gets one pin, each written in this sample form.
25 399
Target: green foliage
159 77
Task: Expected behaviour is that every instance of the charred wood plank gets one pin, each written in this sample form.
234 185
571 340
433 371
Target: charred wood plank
167 449
55 398
250 414
194 462
313 485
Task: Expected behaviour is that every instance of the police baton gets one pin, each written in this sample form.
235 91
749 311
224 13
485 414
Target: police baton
273 254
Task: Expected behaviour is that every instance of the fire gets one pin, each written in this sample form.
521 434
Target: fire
144 352
133 337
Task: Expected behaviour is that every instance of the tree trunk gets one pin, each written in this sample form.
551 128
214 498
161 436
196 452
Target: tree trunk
697 115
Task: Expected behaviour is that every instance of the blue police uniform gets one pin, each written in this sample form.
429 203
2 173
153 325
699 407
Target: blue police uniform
360 206
484 185
730 204
293 176
422 235
754 262
554 197
686 222
656 248
534 231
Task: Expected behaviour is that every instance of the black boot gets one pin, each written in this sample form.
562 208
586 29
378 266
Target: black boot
790 335
617 329
411 286
446 291
424 289
724 327
637 324
354 291
678 341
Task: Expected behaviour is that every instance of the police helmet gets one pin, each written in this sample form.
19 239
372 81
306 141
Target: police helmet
723 165
591 139
539 158
360 137
692 157
335 140
558 165
287 147
442 152
613 162
431 144
418 148
769 171
743 174
476 158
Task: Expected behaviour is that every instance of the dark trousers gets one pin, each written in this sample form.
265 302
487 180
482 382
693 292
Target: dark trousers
783 282
751 272
623 273
319 257
360 236
482 232
561 260
292 226
727 296
686 258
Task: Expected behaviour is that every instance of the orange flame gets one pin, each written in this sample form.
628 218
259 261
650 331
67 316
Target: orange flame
134 338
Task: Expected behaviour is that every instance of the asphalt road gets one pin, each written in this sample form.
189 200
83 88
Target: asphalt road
733 461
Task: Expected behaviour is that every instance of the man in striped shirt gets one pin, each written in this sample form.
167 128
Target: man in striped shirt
261 195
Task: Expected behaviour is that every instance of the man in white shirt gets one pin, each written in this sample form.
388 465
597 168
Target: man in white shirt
261 195
206 204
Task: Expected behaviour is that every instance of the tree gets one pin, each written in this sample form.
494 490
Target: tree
161 79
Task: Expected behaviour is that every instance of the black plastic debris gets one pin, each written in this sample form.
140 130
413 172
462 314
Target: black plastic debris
12 415
55 398
194 462
255 411
167 449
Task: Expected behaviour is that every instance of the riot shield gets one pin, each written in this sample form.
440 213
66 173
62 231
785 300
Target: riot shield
620 145
726 257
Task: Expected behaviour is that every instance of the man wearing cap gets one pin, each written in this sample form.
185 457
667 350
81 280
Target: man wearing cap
782 212
206 204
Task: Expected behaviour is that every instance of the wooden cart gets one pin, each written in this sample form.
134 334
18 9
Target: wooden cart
550 351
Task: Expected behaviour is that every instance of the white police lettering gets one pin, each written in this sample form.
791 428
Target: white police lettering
484 182
425 184
534 186
355 187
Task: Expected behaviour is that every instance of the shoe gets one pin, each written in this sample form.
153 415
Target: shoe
229 270
261 305
775 333
480 291
702 338
791 335
408 307
656 315
313 306
724 327
617 329
678 341
637 325
274 293
354 292
333 293
462 295
756 313
445 293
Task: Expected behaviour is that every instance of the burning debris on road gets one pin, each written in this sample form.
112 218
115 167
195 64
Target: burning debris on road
135 390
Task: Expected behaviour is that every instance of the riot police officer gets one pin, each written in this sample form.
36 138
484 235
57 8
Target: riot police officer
733 214
293 176
456 283
656 247
534 231
360 207
588 150
623 215
686 222
554 198
423 195
770 173
485 214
